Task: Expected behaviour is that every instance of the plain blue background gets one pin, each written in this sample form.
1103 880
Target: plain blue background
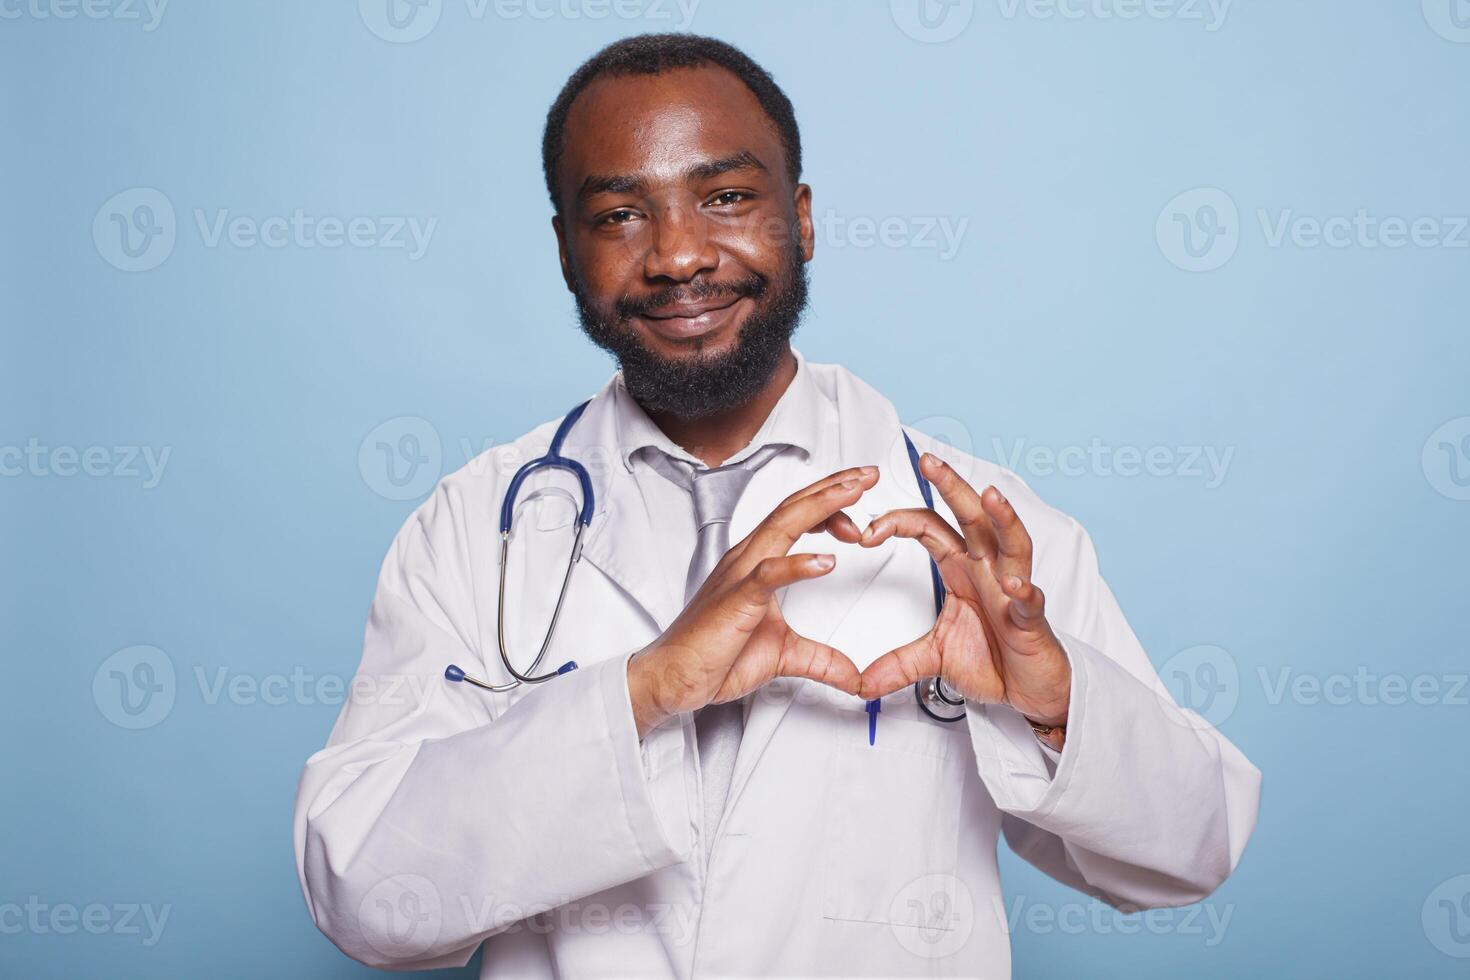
1333 545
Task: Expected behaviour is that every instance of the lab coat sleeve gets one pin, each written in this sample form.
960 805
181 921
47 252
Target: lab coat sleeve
426 824
1147 805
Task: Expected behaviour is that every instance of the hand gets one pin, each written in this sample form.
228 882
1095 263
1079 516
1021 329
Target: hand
992 642
731 638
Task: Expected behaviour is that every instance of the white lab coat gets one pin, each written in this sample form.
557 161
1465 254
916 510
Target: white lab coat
440 817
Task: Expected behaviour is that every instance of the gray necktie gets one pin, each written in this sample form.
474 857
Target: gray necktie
717 727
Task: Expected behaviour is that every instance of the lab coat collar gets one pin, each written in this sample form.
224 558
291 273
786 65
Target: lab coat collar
790 422
843 421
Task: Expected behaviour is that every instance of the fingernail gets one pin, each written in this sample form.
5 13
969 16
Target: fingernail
1013 583
869 470
850 484
1000 497
824 561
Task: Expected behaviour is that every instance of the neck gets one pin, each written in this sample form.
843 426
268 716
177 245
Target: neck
716 437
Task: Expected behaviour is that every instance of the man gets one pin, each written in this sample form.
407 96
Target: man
738 778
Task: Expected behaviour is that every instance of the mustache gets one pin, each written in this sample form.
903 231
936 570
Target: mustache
753 285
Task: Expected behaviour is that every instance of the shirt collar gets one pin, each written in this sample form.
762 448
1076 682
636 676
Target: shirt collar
793 422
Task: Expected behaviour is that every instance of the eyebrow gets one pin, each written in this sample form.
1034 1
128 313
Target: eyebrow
704 170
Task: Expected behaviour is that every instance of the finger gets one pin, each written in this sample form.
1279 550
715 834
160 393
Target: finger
1013 540
900 667
962 499
780 571
866 476
1027 606
778 532
919 523
841 527
802 657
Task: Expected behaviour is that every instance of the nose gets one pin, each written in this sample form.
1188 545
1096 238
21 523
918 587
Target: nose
681 247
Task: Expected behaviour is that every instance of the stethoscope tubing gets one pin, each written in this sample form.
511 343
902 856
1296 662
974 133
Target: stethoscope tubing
927 691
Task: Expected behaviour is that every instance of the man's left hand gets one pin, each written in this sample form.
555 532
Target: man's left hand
992 642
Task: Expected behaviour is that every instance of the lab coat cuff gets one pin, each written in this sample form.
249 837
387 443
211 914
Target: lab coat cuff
651 773
1021 773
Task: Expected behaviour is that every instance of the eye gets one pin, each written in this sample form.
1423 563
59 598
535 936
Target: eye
619 217
729 198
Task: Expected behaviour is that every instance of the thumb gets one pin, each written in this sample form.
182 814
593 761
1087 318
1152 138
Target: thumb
901 667
802 657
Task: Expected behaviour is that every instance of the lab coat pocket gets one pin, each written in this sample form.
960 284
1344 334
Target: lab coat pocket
893 823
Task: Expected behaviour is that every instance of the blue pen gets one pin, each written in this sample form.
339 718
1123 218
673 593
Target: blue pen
874 707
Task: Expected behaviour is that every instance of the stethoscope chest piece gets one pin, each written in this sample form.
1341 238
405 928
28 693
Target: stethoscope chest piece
938 701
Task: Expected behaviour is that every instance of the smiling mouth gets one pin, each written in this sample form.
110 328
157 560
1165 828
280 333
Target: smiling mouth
695 320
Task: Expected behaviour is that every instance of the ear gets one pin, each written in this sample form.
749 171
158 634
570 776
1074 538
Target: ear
561 249
803 202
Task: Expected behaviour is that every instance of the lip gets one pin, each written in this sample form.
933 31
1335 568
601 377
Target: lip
692 319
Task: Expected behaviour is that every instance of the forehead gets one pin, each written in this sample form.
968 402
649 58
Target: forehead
656 125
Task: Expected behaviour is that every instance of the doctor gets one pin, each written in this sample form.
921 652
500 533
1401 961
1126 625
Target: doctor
700 796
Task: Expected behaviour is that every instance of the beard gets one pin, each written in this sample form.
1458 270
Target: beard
702 384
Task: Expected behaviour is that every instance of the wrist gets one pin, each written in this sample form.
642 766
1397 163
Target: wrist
655 689
642 695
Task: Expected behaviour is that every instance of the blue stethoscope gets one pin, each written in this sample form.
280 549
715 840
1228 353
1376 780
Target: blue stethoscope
933 696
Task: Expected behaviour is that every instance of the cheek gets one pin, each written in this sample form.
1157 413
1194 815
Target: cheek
607 267
762 240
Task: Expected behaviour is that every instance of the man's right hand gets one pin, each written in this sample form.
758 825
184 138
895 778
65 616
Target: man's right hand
731 638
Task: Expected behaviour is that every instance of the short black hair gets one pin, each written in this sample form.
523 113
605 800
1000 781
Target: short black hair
651 54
